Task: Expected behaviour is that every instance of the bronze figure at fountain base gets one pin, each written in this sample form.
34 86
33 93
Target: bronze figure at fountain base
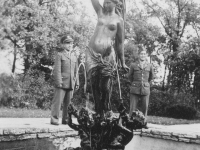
111 132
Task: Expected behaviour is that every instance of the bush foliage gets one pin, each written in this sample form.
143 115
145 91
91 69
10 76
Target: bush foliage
182 111
169 105
33 91
29 91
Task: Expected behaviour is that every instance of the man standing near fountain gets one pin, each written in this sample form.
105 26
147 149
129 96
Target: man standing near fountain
106 42
141 74
64 72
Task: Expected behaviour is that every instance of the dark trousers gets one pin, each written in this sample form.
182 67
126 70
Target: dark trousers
60 95
134 98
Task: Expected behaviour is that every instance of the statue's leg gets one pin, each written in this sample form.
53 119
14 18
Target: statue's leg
94 81
106 89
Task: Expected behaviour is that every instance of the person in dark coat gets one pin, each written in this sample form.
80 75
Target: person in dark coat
140 75
64 74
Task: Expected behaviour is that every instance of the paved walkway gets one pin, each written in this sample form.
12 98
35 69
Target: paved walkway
21 123
25 123
183 128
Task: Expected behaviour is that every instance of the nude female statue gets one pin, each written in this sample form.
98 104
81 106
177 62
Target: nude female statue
105 48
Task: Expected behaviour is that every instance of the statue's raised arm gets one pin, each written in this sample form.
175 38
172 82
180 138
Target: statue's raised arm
97 6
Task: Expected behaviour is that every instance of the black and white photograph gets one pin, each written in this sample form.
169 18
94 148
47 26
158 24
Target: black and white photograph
99 74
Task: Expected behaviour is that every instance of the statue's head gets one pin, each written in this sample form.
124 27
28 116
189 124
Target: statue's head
136 120
110 117
71 109
138 115
109 5
85 118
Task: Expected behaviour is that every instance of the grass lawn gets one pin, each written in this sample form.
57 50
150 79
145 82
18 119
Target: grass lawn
38 113
23 113
170 121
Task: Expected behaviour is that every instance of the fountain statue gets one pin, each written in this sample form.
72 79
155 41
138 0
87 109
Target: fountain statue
102 129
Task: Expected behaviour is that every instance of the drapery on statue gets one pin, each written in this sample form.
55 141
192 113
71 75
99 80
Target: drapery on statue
105 48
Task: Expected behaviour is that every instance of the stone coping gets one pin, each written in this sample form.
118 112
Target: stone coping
189 133
12 129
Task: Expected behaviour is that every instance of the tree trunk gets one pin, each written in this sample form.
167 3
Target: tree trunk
15 57
163 83
169 76
196 88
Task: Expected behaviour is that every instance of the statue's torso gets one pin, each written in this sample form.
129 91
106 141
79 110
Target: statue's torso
103 38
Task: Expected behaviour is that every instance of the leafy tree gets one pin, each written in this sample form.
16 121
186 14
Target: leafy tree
175 17
38 25
141 31
34 28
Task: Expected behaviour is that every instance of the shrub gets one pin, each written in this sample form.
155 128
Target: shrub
158 102
38 89
8 86
181 111
30 90
169 105
185 98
